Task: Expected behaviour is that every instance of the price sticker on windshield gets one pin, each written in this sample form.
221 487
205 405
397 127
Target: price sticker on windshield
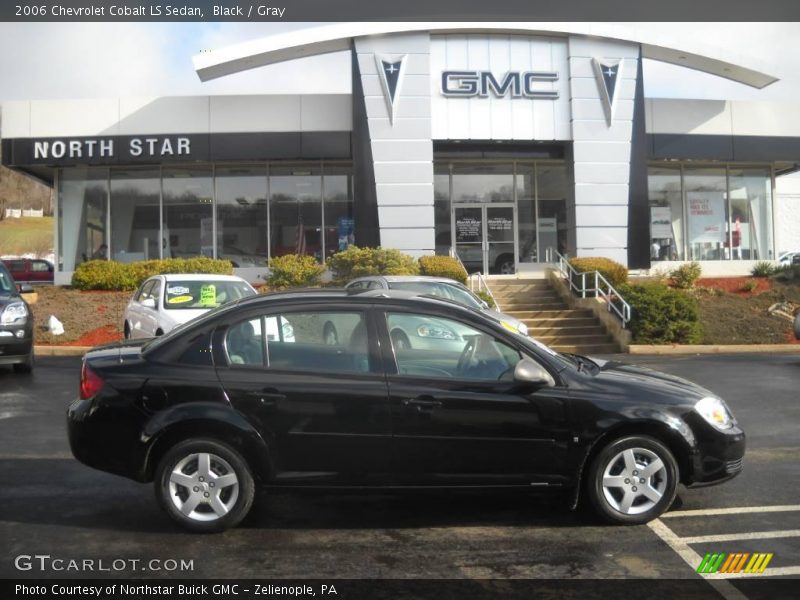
208 295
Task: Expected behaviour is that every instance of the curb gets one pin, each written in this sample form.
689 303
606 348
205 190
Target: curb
714 349
60 350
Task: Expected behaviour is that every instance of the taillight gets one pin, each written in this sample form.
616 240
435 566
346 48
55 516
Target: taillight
90 382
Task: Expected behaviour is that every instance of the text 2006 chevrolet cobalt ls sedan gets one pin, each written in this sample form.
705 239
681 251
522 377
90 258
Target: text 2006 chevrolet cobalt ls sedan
229 402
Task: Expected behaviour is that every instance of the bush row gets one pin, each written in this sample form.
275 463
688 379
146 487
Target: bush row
112 275
304 271
662 315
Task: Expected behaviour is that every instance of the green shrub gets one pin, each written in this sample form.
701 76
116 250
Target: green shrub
360 262
749 286
294 270
685 276
112 275
615 273
763 269
486 298
662 315
442 266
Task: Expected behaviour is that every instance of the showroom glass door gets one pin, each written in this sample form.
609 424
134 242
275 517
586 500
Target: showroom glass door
484 237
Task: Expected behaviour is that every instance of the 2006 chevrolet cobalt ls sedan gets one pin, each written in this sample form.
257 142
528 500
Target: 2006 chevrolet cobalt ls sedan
229 402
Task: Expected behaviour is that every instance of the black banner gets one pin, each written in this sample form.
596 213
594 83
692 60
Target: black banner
408 10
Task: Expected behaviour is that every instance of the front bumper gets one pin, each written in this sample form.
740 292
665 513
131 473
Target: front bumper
14 349
719 455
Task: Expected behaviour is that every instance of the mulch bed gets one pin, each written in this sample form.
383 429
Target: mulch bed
735 285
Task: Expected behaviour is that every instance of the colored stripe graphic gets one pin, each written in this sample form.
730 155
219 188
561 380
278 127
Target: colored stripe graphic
719 562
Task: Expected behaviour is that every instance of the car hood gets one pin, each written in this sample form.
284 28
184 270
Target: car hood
680 390
504 318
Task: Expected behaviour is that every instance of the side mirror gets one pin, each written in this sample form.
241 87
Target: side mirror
529 374
149 303
25 288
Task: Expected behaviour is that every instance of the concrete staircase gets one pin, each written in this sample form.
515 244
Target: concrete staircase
549 319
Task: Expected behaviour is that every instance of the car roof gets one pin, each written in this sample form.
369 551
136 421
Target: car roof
200 277
407 278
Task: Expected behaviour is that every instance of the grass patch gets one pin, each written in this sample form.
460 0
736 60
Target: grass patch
26 236
84 315
730 318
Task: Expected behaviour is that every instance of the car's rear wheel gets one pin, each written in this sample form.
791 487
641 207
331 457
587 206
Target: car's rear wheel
633 480
126 331
204 485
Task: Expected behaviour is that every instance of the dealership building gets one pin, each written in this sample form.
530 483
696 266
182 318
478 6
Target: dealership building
497 141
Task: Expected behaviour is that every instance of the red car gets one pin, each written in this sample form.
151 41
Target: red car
30 270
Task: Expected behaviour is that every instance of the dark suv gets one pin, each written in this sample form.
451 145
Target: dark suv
254 393
16 324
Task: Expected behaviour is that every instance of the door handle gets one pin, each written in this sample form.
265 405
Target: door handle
421 403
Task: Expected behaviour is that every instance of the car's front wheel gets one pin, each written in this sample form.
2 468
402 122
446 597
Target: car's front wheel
204 485
633 480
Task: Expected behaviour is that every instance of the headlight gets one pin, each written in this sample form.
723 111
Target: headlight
439 333
715 412
15 313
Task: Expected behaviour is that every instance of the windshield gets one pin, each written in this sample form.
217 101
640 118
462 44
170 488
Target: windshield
183 295
6 283
437 288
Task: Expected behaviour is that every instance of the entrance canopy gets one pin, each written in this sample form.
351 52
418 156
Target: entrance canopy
338 37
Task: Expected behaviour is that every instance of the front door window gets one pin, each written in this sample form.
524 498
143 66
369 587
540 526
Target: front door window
484 237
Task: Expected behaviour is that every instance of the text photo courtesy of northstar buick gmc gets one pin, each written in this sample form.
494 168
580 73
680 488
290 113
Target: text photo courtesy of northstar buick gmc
253 393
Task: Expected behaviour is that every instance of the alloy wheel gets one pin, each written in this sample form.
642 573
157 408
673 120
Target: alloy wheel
634 481
203 486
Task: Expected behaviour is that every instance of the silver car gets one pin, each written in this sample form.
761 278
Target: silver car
163 302
415 332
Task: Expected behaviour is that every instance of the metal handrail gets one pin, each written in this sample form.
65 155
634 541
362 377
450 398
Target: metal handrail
609 294
472 277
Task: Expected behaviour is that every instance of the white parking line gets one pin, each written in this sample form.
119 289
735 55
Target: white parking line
732 537
731 511
693 559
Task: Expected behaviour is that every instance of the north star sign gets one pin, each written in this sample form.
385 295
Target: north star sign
150 147
517 84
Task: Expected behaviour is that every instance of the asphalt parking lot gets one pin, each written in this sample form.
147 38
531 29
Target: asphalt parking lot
53 505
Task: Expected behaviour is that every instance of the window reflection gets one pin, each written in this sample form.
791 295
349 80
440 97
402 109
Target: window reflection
296 211
135 200
82 208
339 222
188 227
241 195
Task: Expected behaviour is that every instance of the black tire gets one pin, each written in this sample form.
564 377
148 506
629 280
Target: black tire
329 334
222 457
25 367
126 331
644 508
159 332
400 340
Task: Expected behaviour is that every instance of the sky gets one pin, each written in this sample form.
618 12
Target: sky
101 60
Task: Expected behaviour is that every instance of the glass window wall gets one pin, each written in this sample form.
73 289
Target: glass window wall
187 194
339 222
666 213
296 211
710 213
135 211
82 216
242 215
483 182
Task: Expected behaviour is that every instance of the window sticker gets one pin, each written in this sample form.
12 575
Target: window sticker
180 299
178 290
208 295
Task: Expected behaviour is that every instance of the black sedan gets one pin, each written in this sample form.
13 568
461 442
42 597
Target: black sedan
253 394
16 324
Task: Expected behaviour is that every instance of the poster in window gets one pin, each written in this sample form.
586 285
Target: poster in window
660 222
706 217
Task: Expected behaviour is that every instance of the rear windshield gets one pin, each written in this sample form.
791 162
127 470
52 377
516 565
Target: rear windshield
183 295
435 288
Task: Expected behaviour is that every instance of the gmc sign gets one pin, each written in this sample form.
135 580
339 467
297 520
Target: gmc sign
517 84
